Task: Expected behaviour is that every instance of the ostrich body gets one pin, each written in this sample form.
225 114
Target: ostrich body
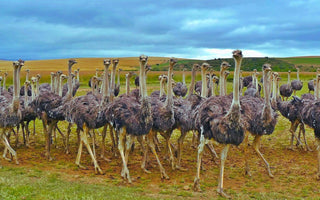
286 89
10 113
260 117
131 119
225 128
181 89
253 88
311 85
163 115
296 84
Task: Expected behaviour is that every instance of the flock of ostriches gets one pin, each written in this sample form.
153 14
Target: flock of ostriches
228 119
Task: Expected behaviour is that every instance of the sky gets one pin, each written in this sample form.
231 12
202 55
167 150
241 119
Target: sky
202 29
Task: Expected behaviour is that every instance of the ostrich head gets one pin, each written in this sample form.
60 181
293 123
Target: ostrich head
130 74
205 66
225 65
72 62
195 66
289 72
38 77
52 74
27 84
33 80
266 67
226 74
115 61
27 70
63 77
237 55
58 73
148 68
5 74
143 59
215 79
106 61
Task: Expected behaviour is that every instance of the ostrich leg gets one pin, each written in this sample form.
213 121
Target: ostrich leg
304 136
196 185
245 151
84 139
121 146
224 154
256 145
151 144
293 129
180 143
318 153
7 146
103 145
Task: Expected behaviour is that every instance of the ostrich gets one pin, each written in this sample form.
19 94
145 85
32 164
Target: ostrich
10 114
296 84
286 89
225 128
22 90
310 115
311 85
51 107
253 87
115 63
181 89
163 115
117 87
260 116
133 119
225 77
224 66
128 77
137 81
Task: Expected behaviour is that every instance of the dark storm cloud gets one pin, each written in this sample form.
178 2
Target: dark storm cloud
194 29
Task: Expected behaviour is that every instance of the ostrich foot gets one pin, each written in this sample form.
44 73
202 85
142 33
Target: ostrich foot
248 172
270 174
6 158
222 193
146 171
125 174
82 167
105 158
178 167
308 149
98 170
196 185
164 175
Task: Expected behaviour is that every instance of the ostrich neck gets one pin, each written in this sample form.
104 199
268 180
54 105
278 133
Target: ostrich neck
0 88
288 78
274 89
222 82
118 80
51 83
256 82
316 89
106 82
55 84
15 99
266 89
183 77
213 88
61 86
235 100
113 79
27 76
78 76
191 88
4 82
127 85
298 75
143 86
38 88
169 99
69 94
26 95
161 87
33 95
225 85
204 83
210 84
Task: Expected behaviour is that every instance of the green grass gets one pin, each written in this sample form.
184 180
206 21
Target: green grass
48 185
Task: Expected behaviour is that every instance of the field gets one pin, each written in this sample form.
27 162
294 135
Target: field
36 178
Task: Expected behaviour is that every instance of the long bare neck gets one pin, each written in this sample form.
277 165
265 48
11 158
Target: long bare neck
193 76
4 82
143 87
161 87
127 85
61 86
236 100
225 84
298 71
118 80
69 94
51 83
204 83
78 76
15 99
222 90
26 95
113 78
213 89
274 89
0 87
256 82
169 99
56 78
183 77
27 76
33 90
106 82
288 78
266 89
316 89
210 84
38 87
